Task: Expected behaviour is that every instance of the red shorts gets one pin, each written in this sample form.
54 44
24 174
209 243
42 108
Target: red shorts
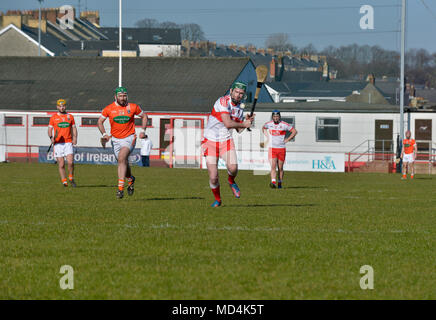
277 153
215 148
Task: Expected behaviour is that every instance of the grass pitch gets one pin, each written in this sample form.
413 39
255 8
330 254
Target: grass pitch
306 241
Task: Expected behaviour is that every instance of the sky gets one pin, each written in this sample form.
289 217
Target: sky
319 22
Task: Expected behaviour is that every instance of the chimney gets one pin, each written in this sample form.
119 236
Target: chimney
314 58
252 49
185 43
204 45
14 17
371 78
261 51
272 68
242 49
270 51
91 16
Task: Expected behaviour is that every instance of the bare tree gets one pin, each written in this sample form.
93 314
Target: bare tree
309 49
147 23
279 42
169 25
192 32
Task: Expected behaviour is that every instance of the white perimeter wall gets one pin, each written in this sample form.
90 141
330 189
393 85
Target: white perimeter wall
155 50
355 128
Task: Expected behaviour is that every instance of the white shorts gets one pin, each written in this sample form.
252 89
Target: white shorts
128 142
61 150
408 157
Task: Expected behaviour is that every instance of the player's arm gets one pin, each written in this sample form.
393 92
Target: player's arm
402 152
230 124
74 131
51 131
247 117
74 128
143 125
293 134
100 126
415 150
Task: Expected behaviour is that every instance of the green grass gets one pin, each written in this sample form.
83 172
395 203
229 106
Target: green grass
307 241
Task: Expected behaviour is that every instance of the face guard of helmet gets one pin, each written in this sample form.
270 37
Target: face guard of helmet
121 96
276 117
238 92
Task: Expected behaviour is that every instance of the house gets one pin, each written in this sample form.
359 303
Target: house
24 42
85 37
175 93
313 91
152 42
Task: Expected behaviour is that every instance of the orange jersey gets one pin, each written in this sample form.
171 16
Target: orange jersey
62 127
122 119
409 145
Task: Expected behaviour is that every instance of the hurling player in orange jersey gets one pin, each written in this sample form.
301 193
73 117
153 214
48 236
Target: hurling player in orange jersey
408 154
121 114
62 132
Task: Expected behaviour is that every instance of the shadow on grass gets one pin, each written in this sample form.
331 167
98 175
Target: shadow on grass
272 205
96 186
168 198
428 178
304 187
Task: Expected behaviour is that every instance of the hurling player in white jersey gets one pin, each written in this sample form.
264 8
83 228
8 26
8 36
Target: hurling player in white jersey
226 115
275 131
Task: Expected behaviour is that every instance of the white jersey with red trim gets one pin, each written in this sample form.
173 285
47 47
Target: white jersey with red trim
277 133
215 128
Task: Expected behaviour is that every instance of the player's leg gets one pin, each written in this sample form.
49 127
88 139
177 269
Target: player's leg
412 169
228 154
273 163
281 173
131 140
212 170
122 157
404 167
62 173
281 156
70 163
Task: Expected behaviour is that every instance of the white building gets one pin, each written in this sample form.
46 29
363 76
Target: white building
358 133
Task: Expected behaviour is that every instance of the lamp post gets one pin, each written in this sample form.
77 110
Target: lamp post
120 69
39 28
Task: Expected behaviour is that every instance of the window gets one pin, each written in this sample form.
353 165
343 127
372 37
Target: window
41 121
328 129
13 121
291 121
89 121
191 124
138 122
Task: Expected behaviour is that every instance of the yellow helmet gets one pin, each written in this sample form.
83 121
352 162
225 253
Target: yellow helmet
61 101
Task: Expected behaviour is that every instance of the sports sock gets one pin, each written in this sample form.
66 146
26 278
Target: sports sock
121 184
64 181
404 176
216 191
273 181
130 180
231 179
70 177
411 176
